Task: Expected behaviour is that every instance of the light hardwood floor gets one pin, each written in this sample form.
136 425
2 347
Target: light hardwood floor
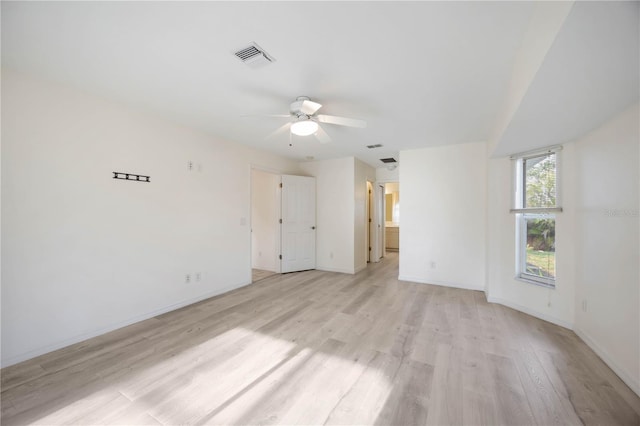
260 274
326 348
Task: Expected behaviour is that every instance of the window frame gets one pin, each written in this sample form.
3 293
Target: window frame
518 180
523 213
521 250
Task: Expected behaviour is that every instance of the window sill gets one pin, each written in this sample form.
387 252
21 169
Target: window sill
542 210
534 282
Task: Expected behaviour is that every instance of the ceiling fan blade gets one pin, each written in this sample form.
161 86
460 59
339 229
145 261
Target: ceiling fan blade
279 130
342 121
309 107
322 136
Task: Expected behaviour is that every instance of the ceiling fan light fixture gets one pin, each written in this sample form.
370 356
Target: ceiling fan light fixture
304 127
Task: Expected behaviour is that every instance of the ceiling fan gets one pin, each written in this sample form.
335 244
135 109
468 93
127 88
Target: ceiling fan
305 119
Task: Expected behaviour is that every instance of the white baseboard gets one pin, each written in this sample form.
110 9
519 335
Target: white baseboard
633 383
529 311
111 327
439 283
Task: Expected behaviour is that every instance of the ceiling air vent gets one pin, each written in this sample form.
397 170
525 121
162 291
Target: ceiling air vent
254 56
374 146
388 160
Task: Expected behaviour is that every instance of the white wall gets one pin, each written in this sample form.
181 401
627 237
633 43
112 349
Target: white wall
544 25
597 245
265 213
362 173
335 204
385 175
443 215
607 247
84 253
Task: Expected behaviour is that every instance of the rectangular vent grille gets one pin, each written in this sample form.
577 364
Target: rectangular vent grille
388 160
374 146
248 53
254 56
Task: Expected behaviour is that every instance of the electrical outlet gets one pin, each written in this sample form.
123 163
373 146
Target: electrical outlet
190 165
198 276
330 255
433 265
187 279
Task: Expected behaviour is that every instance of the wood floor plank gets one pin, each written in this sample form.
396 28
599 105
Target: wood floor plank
263 396
587 391
364 402
540 392
19 373
320 347
276 404
512 404
478 408
408 403
445 405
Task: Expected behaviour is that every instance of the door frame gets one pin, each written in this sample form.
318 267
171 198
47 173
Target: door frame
382 217
378 224
276 226
368 222
376 227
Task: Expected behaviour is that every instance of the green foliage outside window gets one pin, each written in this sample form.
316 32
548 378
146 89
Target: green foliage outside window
540 183
540 192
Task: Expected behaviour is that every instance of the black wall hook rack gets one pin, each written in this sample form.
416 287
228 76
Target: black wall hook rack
131 176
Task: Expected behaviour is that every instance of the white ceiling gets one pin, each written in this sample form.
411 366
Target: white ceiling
420 73
590 73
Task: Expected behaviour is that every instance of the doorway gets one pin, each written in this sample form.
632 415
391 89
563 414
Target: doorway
283 236
374 222
392 216
265 230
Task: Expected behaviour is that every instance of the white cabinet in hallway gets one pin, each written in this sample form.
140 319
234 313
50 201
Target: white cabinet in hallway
392 237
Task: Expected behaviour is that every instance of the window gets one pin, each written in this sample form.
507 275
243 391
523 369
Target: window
536 203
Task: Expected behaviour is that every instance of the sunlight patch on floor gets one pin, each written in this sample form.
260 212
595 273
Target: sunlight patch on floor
187 398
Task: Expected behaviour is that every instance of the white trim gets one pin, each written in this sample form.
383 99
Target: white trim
541 210
276 172
115 326
524 278
529 311
518 184
633 383
521 251
439 283
536 152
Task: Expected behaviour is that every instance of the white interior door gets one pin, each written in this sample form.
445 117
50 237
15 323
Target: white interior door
298 228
